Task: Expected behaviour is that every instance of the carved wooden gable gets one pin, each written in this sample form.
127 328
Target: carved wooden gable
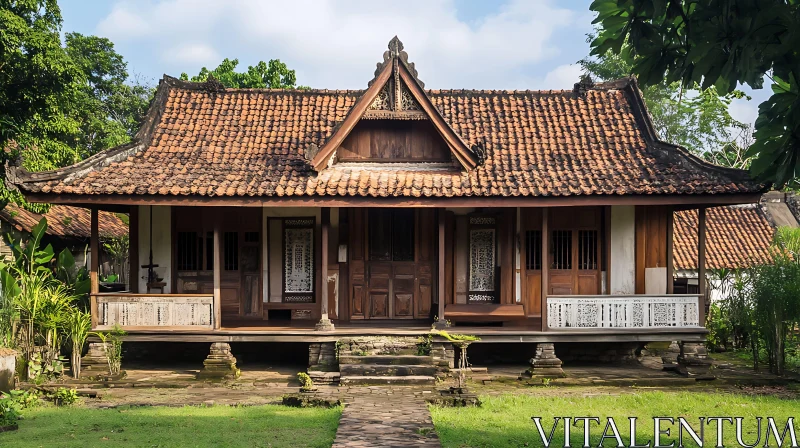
395 121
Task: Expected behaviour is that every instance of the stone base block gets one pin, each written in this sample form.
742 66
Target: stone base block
8 369
545 363
694 354
220 363
324 325
96 359
322 357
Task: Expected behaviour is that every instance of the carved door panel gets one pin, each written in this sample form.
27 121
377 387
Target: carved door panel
403 290
379 289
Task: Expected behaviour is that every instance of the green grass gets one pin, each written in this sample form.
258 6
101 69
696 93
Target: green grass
505 421
217 426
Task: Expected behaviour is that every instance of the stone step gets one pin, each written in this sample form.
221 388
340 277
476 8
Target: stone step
395 380
407 360
386 370
320 377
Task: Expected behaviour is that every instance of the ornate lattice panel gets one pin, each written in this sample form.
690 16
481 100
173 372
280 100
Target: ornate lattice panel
677 311
298 260
155 311
482 248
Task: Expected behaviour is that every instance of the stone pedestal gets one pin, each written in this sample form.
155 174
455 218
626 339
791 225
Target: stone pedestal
96 359
545 363
220 363
693 354
324 324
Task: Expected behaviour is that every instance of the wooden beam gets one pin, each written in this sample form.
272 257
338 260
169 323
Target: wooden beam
364 201
94 267
324 229
217 273
442 265
607 245
133 249
670 248
701 263
545 265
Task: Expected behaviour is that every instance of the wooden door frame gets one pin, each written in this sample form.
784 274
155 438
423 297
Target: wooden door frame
575 230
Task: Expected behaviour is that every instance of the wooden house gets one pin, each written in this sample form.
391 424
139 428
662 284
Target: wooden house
308 215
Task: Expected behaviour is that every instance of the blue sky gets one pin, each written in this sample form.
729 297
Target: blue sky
510 44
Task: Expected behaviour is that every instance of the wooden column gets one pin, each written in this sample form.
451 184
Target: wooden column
217 273
670 248
701 262
94 267
545 264
324 323
440 283
133 250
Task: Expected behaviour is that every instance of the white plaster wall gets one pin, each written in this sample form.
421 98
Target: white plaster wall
623 249
162 244
273 255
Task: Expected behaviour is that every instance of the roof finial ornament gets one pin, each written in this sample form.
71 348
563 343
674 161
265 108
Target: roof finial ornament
396 52
584 85
212 84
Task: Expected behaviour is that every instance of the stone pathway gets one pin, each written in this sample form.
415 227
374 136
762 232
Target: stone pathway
387 417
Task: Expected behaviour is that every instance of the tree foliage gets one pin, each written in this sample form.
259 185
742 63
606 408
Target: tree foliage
61 101
273 75
719 43
695 118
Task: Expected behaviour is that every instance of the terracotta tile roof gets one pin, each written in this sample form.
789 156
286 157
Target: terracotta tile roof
202 140
737 237
65 221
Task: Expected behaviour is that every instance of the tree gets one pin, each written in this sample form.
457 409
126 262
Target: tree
60 102
273 74
697 119
720 43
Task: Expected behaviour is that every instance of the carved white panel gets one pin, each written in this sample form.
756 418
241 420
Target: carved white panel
481 259
154 311
677 311
298 260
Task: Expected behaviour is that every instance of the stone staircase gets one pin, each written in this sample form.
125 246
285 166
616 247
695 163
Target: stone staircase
386 360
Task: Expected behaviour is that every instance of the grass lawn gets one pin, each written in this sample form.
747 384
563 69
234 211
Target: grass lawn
505 421
218 426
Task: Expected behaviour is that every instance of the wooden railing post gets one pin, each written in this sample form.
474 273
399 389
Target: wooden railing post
441 286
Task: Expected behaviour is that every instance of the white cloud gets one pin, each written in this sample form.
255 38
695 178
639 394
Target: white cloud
122 24
193 54
335 44
561 77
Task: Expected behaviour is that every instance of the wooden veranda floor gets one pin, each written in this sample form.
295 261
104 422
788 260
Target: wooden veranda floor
303 331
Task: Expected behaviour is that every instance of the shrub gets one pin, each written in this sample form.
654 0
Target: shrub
305 381
64 396
9 411
113 344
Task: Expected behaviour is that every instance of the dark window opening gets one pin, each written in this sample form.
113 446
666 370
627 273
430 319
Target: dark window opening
189 252
533 250
209 251
231 251
250 237
587 249
562 249
391 235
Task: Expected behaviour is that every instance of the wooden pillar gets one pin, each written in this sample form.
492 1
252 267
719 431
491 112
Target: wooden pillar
545 265
217 274
670 248
94 267
701 262
324 323
133 250
440 283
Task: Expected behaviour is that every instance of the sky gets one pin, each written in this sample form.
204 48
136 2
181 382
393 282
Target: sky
335 44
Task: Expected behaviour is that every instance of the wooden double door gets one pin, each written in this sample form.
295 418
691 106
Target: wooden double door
391 263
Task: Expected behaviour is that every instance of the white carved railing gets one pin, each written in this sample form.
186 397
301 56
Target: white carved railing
153 310
644 311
